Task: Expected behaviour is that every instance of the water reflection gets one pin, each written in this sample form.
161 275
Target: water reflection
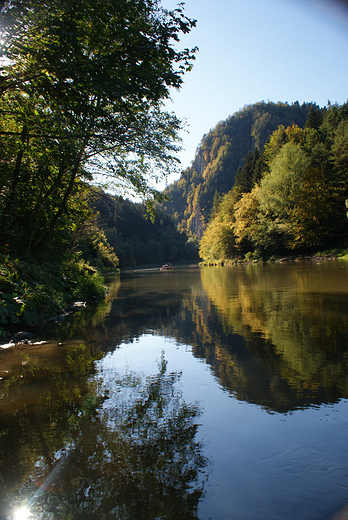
274 335
43 394
96 448
136 304
78 440
295 323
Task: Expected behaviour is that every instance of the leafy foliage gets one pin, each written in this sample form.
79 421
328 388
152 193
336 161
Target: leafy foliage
289 198
218 242
27 298
232 144
82 88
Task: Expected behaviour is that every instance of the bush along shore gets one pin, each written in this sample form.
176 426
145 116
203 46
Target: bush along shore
255 257
33 294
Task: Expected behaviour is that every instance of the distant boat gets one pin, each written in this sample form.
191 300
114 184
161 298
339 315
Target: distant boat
165 267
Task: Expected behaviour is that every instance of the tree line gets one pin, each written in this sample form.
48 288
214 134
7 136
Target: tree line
219 155
82 88
125 228
289 197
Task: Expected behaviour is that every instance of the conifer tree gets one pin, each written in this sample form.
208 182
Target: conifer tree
314 118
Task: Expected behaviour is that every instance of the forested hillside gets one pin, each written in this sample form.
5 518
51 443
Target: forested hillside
221 152
135 237
291 198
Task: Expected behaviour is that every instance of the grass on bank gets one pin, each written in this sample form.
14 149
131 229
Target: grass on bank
32 293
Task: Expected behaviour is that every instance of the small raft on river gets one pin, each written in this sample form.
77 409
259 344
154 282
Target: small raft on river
165 267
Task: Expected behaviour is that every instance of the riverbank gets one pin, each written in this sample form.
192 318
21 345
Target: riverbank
31 294
253 258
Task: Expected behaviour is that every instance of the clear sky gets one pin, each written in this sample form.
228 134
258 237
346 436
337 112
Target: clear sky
259 50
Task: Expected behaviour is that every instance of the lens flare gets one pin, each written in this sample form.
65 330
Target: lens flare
22 513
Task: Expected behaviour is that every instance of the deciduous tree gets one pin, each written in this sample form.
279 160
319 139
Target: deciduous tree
82 88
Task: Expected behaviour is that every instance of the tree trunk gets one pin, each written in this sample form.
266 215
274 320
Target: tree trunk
48 235
10 199
39 204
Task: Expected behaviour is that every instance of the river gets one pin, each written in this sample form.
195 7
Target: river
218 393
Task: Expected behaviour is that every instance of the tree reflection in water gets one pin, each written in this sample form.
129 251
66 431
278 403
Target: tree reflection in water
294 320
132 453
274 334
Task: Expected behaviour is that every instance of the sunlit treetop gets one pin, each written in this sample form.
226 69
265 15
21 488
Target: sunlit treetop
118 49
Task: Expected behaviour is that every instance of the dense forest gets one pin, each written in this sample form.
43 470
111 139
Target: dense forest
137 239
288 198
221 152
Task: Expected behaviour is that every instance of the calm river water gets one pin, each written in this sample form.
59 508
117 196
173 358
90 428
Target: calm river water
217 393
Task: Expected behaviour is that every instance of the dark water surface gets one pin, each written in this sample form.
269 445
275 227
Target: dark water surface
218 393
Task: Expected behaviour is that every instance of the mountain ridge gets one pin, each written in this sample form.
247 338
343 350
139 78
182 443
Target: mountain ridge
219 155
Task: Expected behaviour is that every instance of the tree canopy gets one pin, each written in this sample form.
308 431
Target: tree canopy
231 145
82 86
291 198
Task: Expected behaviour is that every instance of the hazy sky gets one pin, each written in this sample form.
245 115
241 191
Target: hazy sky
259 50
